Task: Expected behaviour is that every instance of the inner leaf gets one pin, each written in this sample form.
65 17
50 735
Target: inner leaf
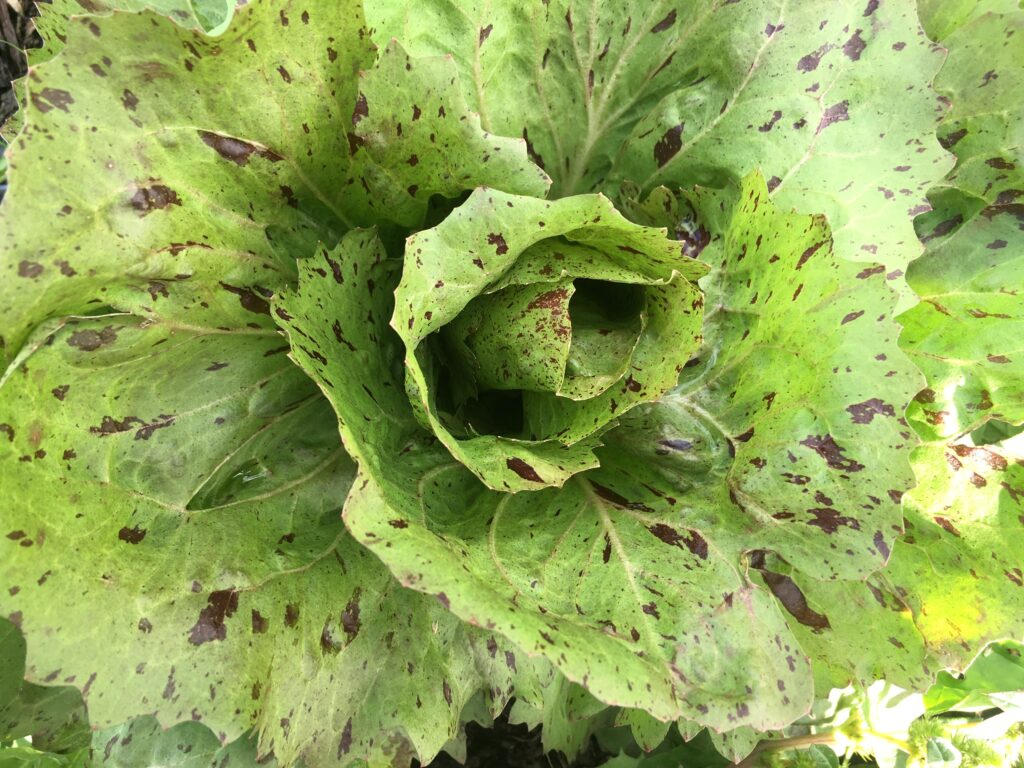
606 323
515 339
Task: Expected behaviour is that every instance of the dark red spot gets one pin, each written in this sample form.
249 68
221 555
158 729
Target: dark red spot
158 196
952 138
836 113
668 145
947 525
29 269
863 413
807 254
693 541
829 519
523 469
51 98
237 151
248 299
129 100
790 595
810 62
350 616
665 23
826 447
776 116
345 744
361 110
220 605
498 241
132 535
854 47
259 623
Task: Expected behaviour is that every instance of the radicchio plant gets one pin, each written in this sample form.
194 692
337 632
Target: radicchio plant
370 368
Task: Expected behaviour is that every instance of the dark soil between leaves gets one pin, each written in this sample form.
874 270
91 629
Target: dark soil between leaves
515 746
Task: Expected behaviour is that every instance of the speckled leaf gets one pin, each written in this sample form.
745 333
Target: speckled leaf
607 580
53 715
960 568
941 18
954 582
144 742
789 420
147 179
966 334
412 119
12 670
568 716
229 591
831 98
471 262
210 16
829 617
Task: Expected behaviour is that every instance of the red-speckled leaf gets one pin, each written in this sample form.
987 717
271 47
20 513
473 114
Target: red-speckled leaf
954 582
178 176
413 121
800 386
177 549
831 98
485 259
604 578
966 334
173 174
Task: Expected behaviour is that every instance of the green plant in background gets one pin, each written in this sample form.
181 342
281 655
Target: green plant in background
371 368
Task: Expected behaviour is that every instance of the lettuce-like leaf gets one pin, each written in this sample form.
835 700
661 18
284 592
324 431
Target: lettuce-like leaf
489 557
53 715
685 517
201 522
825 96
193 199
966 332
519 295
950 584
599 576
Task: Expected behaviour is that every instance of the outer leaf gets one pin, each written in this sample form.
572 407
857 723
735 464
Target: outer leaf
953 583
54 716
201 198
941 18
211 16
476 251
12 652
826 96
829 619
412 119
961 566
608 580
229 590
950 585
998 669
143 742
966 333
188 194
798 391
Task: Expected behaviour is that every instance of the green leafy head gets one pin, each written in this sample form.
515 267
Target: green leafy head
530 326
